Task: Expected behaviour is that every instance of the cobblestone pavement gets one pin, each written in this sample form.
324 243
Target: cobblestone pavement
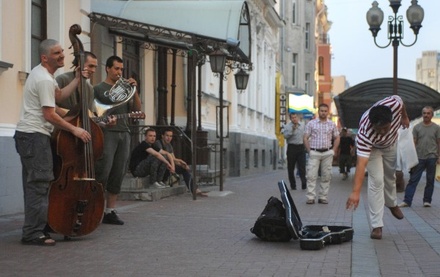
178 236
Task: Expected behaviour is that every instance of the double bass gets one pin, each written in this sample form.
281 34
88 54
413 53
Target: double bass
76 199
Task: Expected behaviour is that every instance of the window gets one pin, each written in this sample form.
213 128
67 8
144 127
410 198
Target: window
294 66
321 65
293 11
307 36
263 158
255 157
307 83
246 158
38 29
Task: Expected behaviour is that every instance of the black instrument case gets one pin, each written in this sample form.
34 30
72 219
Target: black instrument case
311 237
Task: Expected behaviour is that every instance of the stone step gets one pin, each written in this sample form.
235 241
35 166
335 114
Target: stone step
151 194
134 188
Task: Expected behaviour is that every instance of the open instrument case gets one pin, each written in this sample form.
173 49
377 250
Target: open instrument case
311 237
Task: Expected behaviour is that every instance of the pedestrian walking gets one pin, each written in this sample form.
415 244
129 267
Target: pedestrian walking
321 140
296 154
346 146
426 136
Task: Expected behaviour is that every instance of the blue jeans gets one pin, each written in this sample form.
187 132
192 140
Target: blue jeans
416 174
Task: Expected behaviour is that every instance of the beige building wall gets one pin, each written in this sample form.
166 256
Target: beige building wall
15 50
339 84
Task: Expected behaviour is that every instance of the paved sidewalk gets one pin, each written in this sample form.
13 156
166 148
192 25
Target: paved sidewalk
177 236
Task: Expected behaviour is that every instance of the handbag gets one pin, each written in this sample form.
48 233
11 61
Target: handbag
406 150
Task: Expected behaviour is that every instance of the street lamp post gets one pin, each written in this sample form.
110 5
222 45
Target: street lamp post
414 15
217 60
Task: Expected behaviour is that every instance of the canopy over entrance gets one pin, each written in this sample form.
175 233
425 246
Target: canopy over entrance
353 102
202 26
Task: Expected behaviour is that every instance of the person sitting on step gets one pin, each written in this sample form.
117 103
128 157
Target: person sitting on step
181 167
146 159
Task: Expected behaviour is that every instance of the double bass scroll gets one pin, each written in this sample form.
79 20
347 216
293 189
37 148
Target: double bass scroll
76 199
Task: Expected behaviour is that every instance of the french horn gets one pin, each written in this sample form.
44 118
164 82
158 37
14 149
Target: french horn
120 93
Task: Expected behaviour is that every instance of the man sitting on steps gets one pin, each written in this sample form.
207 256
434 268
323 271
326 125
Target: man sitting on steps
146 159
181 167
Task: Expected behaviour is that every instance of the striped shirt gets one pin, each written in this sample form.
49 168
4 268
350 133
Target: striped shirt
321 133
367 138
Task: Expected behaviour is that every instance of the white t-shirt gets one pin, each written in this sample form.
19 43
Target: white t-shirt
39 92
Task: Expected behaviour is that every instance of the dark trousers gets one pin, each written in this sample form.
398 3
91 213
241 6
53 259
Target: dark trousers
344 163
151 166
37 172
296 154
416 175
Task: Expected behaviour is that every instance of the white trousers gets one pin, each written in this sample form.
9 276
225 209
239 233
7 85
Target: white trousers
381 183
316 159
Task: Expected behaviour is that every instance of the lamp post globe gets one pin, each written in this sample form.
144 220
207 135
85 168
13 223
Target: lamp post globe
375 18
415 15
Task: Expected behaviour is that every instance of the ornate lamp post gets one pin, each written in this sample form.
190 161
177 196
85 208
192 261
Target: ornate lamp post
414 15
218 62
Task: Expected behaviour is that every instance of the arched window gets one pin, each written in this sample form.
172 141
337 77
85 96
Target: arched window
321 65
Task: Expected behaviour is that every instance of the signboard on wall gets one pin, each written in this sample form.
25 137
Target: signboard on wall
302 104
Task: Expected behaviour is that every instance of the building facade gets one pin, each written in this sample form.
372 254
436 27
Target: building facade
251 143
323 61
298 48
428 69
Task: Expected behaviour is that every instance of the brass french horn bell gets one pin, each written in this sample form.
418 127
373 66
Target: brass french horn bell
120 93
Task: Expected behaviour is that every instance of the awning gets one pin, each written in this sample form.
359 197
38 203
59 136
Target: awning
353 102
188 25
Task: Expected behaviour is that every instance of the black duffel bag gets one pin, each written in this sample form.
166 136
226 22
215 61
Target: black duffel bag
271 224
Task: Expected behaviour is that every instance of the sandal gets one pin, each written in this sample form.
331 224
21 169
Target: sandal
45 240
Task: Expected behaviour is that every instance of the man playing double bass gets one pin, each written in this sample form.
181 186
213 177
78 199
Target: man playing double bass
112 166
32 139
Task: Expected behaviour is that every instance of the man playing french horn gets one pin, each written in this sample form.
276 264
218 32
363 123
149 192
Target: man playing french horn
110 169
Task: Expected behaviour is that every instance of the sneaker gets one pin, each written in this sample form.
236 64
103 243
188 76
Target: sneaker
403 205
158 185
163 184
426 204
112 218
322 201
344 176
310 201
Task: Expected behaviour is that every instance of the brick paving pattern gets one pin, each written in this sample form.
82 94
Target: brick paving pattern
177 236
